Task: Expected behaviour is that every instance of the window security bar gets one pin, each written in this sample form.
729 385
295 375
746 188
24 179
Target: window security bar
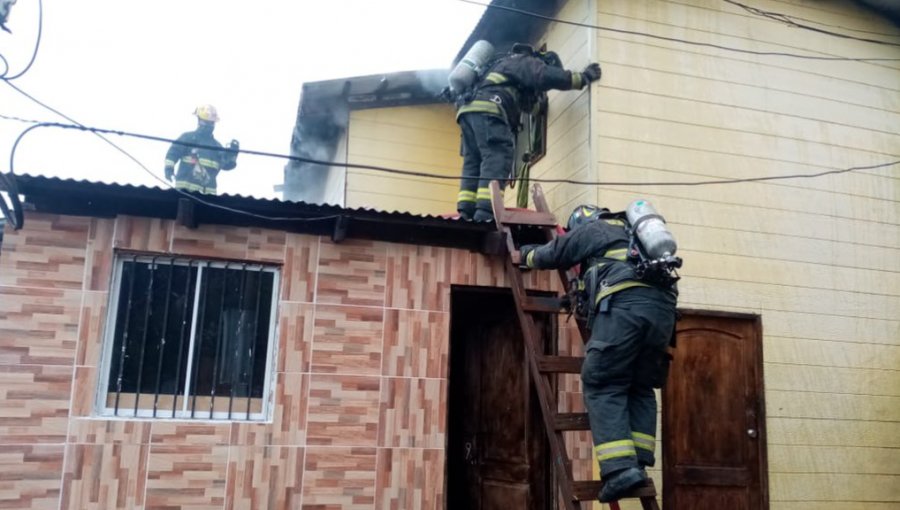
190 339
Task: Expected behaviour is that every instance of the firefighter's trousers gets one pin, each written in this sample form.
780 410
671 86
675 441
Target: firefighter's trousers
626 358
488 150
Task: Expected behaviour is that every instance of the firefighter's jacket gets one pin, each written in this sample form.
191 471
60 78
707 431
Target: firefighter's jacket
513 83
198 167
601 248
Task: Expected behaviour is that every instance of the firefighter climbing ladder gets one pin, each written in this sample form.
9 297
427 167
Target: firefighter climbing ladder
542 368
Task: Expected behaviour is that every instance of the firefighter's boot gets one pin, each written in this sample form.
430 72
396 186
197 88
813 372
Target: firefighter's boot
620 482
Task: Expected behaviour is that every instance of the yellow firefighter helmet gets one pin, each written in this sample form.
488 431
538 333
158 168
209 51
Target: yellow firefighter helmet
207 112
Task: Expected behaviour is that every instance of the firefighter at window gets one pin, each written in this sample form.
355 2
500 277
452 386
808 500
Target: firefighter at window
488 113
200 157
632 324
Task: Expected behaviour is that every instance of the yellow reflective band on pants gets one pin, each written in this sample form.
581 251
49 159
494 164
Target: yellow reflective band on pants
485 194
615 449
465 196
644 441
190 186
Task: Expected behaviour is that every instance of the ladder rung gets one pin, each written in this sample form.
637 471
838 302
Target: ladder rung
572 421
542 304
560 364
526 217
588 490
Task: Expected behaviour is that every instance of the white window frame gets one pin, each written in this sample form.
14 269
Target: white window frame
102 410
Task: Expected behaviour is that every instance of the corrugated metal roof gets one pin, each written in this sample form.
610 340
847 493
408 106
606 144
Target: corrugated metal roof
28 182
86 198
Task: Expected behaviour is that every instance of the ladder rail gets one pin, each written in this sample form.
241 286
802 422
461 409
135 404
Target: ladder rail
561 462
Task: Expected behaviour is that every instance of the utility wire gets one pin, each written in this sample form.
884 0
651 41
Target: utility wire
415 173
15 215
99 133
789 20
858 30
675 39
37 44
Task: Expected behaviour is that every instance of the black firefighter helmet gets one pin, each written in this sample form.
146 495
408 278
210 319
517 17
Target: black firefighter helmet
584 214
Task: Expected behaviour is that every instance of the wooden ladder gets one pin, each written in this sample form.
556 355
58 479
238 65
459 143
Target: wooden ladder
543 368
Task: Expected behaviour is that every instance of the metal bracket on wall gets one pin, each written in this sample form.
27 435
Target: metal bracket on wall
494 243
186 214
341 224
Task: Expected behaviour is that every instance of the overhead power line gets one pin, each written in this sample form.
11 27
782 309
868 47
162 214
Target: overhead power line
415 173
790 21
99 133
34 53
676 39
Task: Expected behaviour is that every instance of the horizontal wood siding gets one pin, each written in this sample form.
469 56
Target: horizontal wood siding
819 259
417 138
568 126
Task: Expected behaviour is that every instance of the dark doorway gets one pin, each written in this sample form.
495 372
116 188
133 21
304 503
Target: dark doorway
497 453
714 446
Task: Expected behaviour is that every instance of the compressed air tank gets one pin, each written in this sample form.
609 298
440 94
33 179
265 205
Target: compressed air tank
650 228
463 75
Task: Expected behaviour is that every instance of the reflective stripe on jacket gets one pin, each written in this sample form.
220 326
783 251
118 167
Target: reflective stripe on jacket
510 79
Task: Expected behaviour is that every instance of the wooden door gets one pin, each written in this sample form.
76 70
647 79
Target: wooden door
496 448
713 423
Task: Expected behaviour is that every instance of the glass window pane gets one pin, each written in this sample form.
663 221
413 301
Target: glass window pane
153 323
152 339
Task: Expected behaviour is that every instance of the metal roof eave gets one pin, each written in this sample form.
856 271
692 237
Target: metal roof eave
82 198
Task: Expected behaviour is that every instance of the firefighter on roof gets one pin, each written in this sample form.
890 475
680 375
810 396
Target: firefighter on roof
488 113
632 322
200 157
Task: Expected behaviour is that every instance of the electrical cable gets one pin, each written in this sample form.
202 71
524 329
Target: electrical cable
16 216
789 20
37 44
859 30
676 39
414 173
77 125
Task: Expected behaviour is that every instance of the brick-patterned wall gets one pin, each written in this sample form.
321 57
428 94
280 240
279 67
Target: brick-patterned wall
360 411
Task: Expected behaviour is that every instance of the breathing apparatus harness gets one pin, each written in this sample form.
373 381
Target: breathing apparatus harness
588 294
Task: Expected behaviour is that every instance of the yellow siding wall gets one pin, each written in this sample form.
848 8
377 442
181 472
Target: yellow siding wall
568 123
818 259
419 138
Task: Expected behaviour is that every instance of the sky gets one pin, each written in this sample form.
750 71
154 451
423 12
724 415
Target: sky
144 65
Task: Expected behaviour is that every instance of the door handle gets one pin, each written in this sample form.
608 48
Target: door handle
470 453
752 433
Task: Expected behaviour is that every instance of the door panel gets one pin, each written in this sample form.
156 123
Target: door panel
496 451
713 437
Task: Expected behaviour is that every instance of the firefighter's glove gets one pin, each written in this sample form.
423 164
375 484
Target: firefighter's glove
524 251
591 73
447 95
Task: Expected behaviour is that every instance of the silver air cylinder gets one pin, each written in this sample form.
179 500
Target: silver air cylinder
650 229
463 75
